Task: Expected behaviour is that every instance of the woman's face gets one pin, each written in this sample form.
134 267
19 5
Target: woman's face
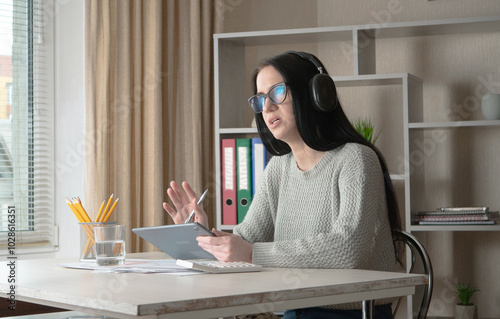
279 118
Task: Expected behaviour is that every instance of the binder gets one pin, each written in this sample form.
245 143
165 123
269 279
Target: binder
229 208
244 176
259 162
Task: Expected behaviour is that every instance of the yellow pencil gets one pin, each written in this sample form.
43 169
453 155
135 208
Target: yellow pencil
87 247
87 228
106 209
86 216
90 239
90 234
74 210
111 210
100 210
79 207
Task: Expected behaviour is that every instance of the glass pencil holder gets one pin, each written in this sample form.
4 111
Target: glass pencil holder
87 240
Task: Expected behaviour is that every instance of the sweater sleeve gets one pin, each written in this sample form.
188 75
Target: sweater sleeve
351 241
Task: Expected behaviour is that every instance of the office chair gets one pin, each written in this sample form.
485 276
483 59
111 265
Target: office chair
417 248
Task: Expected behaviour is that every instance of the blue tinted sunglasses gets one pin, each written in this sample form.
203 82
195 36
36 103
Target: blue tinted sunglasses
277 95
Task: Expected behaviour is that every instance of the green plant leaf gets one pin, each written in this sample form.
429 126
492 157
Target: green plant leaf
365 127
465 292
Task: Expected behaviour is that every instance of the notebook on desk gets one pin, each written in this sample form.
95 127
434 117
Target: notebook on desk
179 242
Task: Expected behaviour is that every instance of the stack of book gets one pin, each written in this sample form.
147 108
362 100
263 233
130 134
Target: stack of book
456 216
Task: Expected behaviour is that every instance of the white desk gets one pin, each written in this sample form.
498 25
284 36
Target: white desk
130 295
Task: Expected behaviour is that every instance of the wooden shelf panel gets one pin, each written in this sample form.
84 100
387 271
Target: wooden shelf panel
477 228
436 27
238 130
453 124
288 36
373 79
227 227
398 177
344 33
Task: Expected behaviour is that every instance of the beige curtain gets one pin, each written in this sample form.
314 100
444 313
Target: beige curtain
149 102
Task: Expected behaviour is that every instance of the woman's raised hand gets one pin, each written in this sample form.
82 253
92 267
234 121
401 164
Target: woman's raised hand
184 200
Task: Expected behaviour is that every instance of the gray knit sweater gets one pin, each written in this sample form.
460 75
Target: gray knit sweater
332 216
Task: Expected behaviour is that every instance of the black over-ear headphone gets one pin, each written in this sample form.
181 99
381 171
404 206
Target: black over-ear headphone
323 92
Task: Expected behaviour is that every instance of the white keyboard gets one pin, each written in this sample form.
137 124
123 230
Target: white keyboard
218 267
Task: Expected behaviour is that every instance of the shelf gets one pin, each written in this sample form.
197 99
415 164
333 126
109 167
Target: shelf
455 124
398 177
436 27
241 130
478 228
227 227
343 33
289 36
373 79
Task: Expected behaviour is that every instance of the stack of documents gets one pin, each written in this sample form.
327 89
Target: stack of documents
142 266
456 216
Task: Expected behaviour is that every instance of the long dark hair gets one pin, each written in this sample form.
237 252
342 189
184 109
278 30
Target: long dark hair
319 130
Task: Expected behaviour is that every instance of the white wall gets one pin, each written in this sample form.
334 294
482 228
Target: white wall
70 118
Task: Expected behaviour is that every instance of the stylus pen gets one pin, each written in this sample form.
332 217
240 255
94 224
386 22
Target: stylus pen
188 220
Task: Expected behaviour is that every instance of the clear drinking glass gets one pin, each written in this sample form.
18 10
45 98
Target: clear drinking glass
87 241
110 245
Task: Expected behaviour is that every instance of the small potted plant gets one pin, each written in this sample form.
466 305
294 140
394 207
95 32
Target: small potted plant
366 128
465 309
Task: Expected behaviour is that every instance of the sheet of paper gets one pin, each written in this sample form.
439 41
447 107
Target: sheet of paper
141 266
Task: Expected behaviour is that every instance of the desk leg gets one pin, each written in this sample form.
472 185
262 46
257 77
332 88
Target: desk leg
367 309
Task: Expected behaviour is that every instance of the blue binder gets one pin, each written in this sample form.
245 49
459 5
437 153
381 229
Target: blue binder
259 162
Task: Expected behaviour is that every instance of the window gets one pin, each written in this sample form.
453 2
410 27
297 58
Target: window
26 131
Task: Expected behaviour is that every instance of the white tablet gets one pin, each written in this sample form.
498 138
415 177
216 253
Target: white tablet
178 241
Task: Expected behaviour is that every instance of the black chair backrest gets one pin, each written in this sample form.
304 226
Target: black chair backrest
417 249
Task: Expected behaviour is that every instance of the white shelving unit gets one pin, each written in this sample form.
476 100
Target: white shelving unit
236 54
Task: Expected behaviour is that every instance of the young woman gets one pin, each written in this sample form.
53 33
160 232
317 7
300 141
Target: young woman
325 200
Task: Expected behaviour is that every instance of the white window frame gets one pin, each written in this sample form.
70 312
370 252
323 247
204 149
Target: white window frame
34 206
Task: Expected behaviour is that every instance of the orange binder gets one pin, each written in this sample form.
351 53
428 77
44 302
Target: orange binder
229 207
